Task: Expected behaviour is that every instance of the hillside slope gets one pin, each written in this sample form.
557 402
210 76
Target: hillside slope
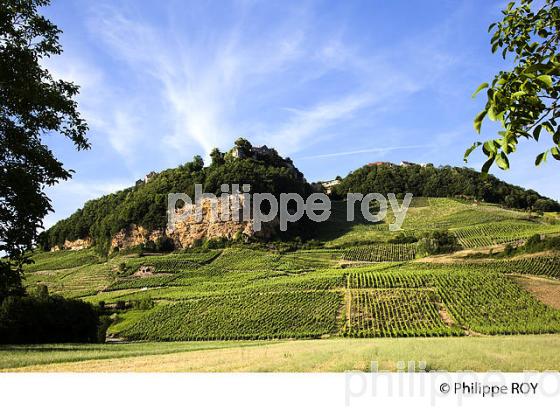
447 181
142 208
366 289
145 204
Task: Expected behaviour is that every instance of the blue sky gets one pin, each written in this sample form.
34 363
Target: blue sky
333 85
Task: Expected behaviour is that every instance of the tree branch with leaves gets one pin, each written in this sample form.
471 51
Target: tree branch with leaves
32 105
524 100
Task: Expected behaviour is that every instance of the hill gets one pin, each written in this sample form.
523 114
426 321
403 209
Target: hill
428 181
137 215
341 288
348 279
145 204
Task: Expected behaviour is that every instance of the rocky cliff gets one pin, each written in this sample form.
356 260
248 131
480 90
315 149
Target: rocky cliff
221 220
76 245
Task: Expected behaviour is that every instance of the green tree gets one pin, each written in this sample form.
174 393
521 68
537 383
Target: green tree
243 146
524 99
197 163
32 105
217 157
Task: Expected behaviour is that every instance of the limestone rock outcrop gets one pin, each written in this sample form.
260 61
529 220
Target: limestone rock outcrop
209 220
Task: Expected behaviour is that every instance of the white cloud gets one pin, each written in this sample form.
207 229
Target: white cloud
214 84
381 150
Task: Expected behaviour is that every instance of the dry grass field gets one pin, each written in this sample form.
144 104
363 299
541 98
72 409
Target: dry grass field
484 353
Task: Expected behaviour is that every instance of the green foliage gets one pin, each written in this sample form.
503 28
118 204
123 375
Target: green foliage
142 282
43 261
403 237
444 182
494 233
217 157
539 266
437 242
143 304
477 299
104 323
494 304
46 320
40 292
395 313
509 250
32 104
253 292
537 243
146 204
524 99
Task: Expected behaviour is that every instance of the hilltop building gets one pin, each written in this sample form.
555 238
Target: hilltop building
328 185
150 176
253 152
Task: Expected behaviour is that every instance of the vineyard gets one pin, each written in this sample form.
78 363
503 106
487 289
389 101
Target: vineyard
494 304
481 301
548 266
73 282
388 277
381 252
52 261
356 284
180 262
394 313
501 232
539 266
255 316
142 282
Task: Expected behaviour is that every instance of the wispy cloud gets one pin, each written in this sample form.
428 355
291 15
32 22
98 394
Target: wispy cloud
365 151
201 82
214 85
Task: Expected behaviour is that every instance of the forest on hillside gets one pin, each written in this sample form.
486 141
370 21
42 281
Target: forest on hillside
446 181
145 204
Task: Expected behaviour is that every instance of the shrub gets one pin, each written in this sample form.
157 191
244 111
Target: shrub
49 319
104 323
554 243
40 292
509 249
437 242
150 246
534 242
215 243
143 304
165 244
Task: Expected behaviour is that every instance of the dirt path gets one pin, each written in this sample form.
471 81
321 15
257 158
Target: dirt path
444 315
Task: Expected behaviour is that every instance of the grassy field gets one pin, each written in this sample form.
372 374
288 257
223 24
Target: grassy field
485 353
